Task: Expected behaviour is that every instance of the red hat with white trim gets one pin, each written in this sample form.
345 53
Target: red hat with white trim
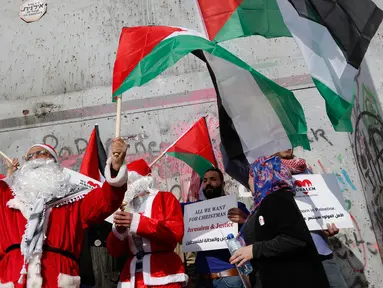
49 148
140 166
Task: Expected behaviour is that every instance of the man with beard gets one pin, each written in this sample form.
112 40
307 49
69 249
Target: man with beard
148 232
334 275
213 268
43 222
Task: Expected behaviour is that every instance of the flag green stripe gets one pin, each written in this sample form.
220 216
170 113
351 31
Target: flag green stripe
169 51
254 18
335 106
196 162
283 101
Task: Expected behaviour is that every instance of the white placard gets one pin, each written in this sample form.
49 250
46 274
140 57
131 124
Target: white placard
33 10
321 202
207 225
82 180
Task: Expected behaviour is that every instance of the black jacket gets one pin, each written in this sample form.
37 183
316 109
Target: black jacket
97 268
283 250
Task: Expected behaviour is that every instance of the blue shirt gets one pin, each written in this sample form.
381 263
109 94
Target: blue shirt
216 260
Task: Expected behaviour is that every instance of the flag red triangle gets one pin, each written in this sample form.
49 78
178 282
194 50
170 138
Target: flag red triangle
135 44
89 164
216 13
196 141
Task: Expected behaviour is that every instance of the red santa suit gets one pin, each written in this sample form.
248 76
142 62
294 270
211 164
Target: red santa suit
57 265
156 228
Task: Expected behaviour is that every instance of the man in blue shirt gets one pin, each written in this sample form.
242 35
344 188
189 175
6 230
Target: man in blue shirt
212 267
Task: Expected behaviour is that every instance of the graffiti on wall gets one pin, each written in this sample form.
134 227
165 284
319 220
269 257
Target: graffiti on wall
353 249
368 149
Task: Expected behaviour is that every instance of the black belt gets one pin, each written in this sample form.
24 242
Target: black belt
47 248
141 254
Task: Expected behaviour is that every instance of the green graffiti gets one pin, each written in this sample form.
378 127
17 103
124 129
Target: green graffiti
348 202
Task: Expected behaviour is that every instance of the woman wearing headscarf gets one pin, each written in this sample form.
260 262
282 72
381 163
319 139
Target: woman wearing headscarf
279 243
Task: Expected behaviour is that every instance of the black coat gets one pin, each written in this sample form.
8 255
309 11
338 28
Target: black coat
97 268
283 250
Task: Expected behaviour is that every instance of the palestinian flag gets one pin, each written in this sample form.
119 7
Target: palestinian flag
194 148
2 176
94 160
229 19
333 37
261 118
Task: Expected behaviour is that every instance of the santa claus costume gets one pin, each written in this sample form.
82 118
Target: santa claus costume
156 228
42 222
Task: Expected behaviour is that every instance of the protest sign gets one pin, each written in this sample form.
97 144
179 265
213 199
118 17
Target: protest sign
79 179
207 225
320 201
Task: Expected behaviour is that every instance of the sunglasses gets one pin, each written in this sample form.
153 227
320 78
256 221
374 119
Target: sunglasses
41 153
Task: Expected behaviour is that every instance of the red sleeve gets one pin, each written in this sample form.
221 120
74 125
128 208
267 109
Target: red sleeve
116 246
168 231
4 198
102 202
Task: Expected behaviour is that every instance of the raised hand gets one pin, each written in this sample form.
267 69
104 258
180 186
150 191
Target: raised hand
119 148
12 166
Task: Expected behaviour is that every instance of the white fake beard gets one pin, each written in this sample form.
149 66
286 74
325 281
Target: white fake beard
137 186
39 179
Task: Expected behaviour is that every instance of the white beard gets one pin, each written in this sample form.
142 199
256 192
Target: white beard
39 179
137 186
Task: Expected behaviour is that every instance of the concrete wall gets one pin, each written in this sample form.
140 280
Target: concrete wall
55 78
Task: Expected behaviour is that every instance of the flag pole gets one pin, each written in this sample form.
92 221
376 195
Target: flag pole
167 149
118 116
6 157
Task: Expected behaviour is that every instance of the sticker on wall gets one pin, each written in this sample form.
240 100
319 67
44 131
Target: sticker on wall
33 10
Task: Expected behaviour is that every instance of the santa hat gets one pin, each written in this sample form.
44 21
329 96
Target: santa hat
139 179
49 148
139 166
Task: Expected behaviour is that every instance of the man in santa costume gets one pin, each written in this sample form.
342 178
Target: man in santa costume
148 231
43 217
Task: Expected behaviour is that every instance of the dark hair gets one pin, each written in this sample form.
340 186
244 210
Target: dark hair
215 170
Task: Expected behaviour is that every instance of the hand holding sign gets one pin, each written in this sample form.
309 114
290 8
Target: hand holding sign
236 215
331 231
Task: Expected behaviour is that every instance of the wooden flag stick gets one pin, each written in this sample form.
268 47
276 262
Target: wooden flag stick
118 117
6 157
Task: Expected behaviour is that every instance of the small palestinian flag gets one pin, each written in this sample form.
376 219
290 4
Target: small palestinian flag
94 160
229 19
263 118
194 148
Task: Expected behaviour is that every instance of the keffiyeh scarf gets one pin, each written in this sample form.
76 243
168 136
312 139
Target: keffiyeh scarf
296 165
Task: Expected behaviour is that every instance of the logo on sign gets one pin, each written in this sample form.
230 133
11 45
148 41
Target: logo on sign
33 10
94 185
304 186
